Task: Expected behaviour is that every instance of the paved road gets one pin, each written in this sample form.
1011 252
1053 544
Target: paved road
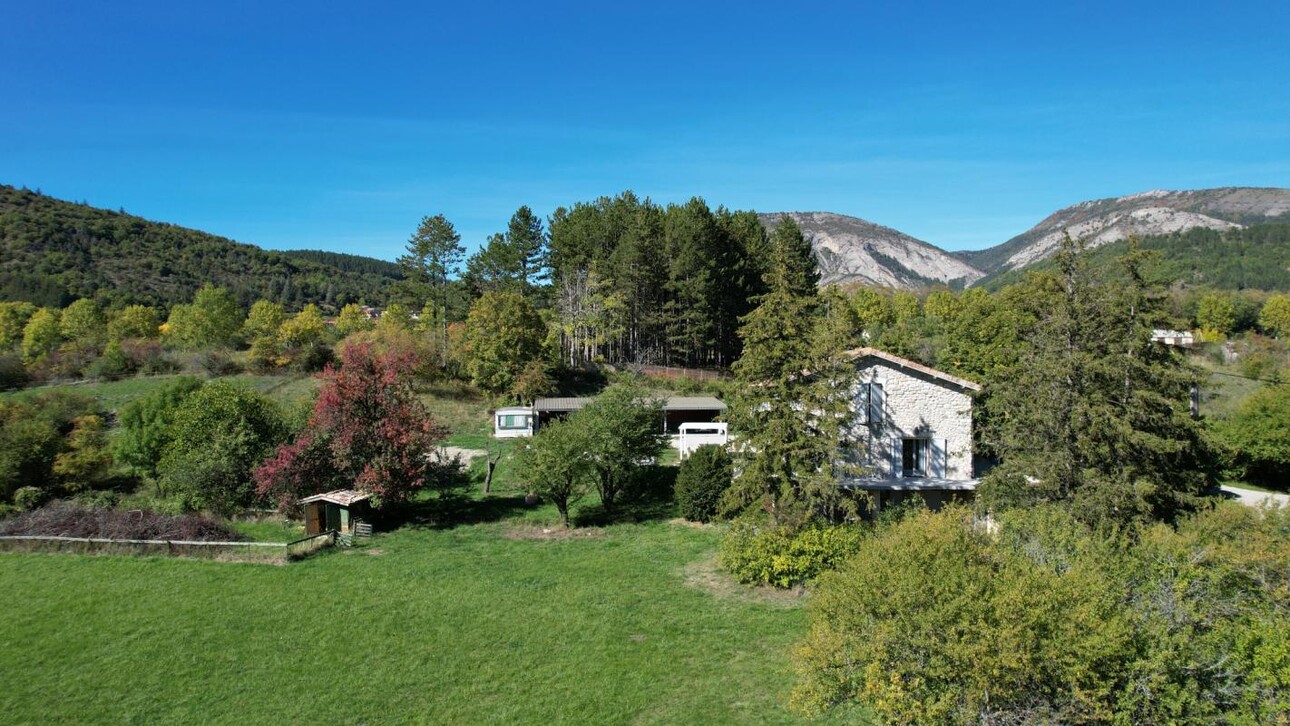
1252 498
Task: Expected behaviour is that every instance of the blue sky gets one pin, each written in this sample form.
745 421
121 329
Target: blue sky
338 125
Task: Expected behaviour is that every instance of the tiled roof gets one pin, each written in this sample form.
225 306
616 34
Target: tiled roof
899 362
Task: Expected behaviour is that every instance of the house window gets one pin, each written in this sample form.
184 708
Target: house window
914 457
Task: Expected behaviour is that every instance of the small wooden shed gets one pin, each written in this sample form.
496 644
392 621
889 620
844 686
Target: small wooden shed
339 509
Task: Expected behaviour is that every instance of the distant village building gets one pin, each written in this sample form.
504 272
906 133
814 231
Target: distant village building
915 426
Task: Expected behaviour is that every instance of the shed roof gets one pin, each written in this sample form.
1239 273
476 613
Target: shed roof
673 403
343 497
861 353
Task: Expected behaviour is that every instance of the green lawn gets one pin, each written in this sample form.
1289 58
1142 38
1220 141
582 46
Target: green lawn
484 623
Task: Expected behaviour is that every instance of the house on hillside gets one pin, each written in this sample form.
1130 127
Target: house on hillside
915 425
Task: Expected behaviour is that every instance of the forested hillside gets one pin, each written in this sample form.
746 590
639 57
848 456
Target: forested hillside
53 251
349 263
1250 258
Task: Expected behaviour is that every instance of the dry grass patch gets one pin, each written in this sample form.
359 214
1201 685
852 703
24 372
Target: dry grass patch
535 532
708 576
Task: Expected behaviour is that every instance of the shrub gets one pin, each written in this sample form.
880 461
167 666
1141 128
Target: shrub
34 434
218 363
146 424
701 481
936 621
148 357
760 553
1258 434
28 498
113 364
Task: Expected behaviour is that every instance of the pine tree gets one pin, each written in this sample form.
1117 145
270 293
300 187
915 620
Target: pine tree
793 392
434 253
1094 413
526 237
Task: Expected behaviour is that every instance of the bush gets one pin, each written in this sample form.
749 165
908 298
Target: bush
760 553
113 364
148 357
701 481
145 424
1258 435
34 437
936 621
28 498
218 363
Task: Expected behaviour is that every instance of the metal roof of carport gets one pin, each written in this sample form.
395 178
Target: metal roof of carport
674 403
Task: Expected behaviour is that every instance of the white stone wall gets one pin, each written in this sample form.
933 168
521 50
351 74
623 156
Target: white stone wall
916 405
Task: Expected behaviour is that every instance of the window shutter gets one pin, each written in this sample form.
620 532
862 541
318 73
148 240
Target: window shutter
897 457
861 403
876 399
939 456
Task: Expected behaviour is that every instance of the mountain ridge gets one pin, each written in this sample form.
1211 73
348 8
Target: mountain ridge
1150 213
854 250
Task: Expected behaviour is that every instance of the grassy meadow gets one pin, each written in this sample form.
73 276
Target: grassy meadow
494 621
498 617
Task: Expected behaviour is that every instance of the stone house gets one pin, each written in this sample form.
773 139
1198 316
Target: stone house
915 427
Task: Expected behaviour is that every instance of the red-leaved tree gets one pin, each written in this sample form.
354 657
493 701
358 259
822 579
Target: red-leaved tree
368 431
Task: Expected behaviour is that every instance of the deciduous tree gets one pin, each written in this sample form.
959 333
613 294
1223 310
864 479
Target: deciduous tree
555 466
82 321
623 431
263 320
219 434
40 335
133 322
368 431
1275 315
13 318
352 319
504 333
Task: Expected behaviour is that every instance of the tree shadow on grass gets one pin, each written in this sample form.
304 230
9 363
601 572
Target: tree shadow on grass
625 513
455 512
649 501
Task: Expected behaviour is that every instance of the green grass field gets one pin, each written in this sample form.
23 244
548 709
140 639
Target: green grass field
505 618
484 623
